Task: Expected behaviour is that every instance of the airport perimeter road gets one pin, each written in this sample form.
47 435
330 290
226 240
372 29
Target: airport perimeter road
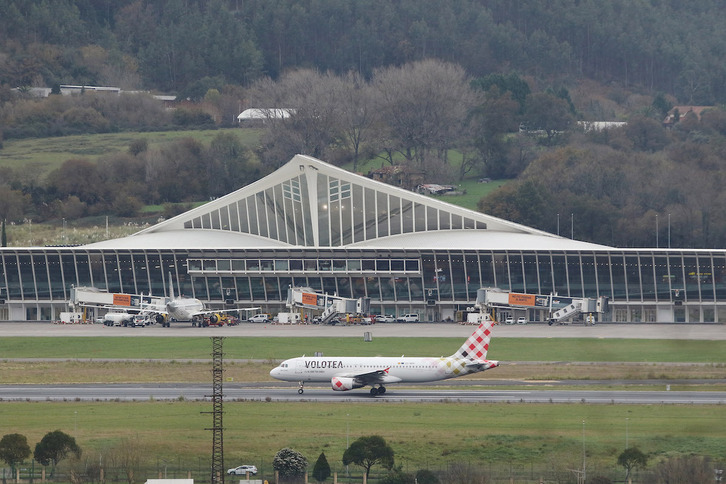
132 392
610 330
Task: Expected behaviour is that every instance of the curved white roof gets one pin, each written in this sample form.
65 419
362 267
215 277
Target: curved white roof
309 203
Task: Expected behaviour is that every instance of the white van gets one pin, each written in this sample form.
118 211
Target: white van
260 318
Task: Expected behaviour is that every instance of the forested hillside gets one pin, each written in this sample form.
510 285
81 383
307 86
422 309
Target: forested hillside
168 45
442 90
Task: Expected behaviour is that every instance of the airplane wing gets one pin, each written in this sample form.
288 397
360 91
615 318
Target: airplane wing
375 377
217 311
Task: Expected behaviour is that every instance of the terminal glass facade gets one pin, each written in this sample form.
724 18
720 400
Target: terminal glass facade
681 285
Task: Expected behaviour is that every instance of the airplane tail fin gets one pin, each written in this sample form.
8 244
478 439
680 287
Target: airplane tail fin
171 287
477 345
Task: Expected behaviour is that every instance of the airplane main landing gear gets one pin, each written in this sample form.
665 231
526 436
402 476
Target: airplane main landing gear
378 390
300 390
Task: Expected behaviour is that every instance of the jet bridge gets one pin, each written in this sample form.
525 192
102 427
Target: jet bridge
330 305
94 297
561 310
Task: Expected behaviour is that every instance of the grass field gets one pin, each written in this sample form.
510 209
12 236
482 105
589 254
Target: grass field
428 436
43 155
262 348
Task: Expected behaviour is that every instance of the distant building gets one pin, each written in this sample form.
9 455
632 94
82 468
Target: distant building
679 112
587 126
264 114
68 89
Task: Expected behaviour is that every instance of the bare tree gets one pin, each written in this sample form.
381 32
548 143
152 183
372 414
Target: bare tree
312 125
353 105
423 105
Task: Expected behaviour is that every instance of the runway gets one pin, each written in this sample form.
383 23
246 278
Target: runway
254 392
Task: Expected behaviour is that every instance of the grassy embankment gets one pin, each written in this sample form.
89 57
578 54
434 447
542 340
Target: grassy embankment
529 358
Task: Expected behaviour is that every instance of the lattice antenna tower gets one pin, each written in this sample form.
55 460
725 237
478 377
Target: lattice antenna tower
217 411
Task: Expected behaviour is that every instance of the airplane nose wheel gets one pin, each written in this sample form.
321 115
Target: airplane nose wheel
300 390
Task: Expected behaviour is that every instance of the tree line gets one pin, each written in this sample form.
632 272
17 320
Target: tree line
365 452
169 45
638 185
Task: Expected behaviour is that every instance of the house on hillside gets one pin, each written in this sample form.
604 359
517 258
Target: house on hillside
678 112
398 175
261 115
587 126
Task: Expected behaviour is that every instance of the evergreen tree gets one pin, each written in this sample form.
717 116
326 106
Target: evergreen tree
54 447
14 448
369 451
321 470
290 464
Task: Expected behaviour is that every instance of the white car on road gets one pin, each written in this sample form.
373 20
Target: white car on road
243 470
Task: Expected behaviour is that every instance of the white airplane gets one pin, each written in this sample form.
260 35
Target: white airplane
348 373
184 309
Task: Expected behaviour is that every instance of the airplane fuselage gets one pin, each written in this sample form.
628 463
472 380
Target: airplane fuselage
402 369
184 309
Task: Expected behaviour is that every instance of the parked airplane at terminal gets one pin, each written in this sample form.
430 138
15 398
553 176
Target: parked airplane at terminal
348 373
183 309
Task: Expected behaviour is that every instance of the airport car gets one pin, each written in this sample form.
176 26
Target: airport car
242 470
408 318
521 320
386 318
509 320
260 318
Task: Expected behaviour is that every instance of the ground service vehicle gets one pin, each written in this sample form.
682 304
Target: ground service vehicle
386 318
288 318
408 318
260 318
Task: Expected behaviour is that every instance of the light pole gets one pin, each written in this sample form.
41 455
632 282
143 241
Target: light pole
584 472
626 433
347 439
656 231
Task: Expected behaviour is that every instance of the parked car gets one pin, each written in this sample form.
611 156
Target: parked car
409 318
386 318
242 470
521 320
260 318
509 320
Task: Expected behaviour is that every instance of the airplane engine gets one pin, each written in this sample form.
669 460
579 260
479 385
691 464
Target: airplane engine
160 318
341 383
214 319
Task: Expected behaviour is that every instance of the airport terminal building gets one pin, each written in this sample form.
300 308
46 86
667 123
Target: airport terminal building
314 225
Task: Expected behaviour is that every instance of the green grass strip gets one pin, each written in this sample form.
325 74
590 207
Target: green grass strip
506 349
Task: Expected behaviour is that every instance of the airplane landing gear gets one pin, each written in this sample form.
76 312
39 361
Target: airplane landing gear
378 390
300 390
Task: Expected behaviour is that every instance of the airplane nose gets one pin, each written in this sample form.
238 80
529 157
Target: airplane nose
275 372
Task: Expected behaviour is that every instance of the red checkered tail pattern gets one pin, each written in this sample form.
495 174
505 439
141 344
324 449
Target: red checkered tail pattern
477 345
